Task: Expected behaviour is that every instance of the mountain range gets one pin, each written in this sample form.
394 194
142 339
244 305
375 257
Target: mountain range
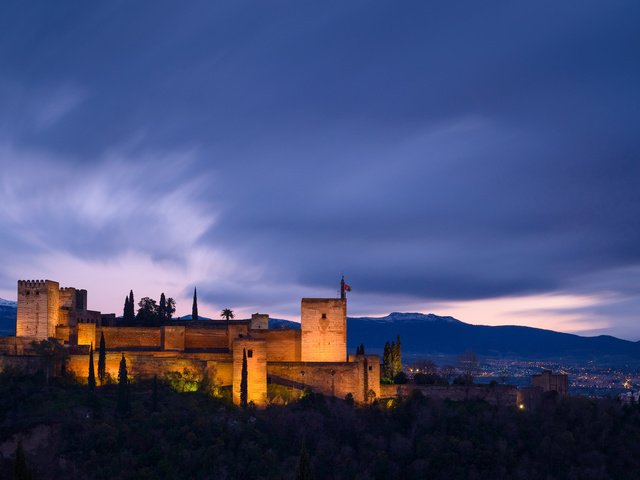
428 334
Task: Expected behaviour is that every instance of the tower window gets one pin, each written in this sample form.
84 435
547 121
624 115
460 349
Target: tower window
324 315
250 353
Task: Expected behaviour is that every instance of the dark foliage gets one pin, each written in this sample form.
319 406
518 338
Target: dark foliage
303 472
21 471
199 437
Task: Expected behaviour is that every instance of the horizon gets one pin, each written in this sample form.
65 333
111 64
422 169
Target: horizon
482 166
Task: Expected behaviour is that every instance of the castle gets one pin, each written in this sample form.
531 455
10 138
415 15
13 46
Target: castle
315 356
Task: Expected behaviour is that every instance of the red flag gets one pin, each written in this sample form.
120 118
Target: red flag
347 288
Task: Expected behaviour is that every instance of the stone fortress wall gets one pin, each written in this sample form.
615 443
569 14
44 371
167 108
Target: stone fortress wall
211 349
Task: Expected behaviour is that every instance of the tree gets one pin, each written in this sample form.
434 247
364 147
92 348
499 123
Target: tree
303 472
102 360
243 380
396 356
21 470
360 349
148 311
162 308
386 361
125 310
227 314
123 406
91 379
194 308
170 309
129 315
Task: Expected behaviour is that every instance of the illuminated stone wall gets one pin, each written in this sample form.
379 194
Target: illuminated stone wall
38 306
330 378
173 338
205 338
144 365
283 345
256 350
128 337
371 368
324 330
259 321
237 330
87 334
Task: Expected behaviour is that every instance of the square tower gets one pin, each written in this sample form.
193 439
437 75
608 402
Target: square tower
323 323
38 308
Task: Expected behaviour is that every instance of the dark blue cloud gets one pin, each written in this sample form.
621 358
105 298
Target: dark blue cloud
438 151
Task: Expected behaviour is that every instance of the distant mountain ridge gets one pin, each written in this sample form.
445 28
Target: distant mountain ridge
424 334
432 334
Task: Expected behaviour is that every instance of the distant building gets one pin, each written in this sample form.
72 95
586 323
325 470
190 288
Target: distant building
550 382
546 381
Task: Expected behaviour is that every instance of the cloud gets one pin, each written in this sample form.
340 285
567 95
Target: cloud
260 152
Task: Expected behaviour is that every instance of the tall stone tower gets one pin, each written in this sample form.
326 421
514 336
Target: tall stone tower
323 323
38 308
256 351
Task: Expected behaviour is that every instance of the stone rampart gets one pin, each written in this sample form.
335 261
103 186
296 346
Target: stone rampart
173 338
330 378
129 337
205 338
283 345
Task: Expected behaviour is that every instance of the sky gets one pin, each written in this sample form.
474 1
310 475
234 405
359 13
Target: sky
474 159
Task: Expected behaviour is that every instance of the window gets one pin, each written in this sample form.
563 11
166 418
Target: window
324 315
370 367
250 353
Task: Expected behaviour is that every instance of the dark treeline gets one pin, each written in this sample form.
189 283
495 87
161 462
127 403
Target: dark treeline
150 312
164 434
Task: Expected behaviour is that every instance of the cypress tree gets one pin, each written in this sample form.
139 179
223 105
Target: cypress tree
243 380
397 357
91 380
130 314
303 472
102 360
162 308
125 311
123 406
386 360
21 470
194 308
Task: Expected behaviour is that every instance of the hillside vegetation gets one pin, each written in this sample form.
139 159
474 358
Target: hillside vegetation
69 434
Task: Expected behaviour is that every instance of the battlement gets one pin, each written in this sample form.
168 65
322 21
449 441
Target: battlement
34 283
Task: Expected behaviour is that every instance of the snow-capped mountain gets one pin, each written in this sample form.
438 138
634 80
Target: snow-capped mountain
394 317
8 303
